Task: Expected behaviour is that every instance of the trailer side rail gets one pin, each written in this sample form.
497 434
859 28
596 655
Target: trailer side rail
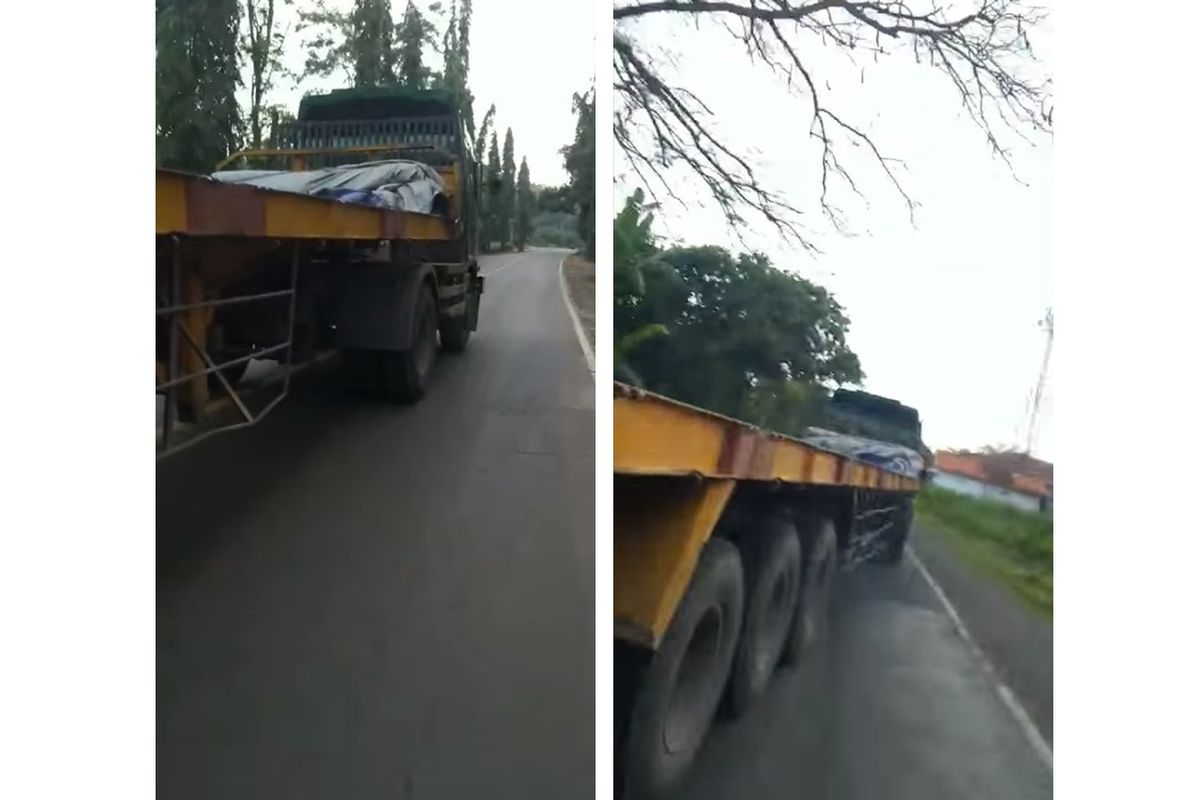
194 205
654 435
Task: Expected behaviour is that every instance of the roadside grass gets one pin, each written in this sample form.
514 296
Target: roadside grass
1016 547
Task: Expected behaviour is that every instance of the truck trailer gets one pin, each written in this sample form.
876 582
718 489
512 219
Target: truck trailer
727 540
246 271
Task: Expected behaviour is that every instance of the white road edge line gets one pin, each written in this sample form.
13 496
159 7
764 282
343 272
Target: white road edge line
588 355
1024 721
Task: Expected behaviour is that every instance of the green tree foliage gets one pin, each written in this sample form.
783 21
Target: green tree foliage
579 160
523 226
360 42
263 49
555 223
481 137
634 254
506 216
741 337
456 53
280 116
197 120
491 196
412 34
552 198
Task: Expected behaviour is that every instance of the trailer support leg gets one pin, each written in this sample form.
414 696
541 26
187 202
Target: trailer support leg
659 529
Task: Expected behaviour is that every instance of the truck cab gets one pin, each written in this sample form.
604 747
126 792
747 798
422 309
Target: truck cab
353 126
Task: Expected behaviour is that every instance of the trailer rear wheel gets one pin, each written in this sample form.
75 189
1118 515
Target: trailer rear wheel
811 622
771 556
360 371
897 537
681 688
405 374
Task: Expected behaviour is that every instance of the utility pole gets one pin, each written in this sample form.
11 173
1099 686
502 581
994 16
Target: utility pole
1046 324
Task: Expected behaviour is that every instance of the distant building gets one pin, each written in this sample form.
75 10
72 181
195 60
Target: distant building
1016 479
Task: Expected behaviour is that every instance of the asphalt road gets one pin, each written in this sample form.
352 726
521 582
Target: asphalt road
1018 641
894 707
366 601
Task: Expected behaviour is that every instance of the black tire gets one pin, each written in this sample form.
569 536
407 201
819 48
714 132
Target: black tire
360 372
455 332
896 538
681 688
404 375
810 626
772 564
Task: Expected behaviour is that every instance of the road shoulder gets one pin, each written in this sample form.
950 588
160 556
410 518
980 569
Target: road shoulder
1018 641
579 280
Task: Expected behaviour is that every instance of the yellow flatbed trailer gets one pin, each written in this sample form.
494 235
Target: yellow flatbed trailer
245 273
727 541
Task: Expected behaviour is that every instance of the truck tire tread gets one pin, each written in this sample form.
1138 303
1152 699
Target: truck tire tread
712 607
771 558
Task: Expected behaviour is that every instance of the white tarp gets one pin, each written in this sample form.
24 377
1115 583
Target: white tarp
399 185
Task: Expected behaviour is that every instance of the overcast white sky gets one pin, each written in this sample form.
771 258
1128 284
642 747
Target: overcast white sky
529 77
944 314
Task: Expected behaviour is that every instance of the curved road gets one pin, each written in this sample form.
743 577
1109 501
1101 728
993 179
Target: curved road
366 601
894 706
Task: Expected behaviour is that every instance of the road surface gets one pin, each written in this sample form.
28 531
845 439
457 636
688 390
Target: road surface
894 707
366 601
1018 641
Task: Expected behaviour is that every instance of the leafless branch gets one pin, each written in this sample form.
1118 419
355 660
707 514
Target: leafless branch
981 51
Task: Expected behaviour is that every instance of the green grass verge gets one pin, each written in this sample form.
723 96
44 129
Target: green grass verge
1014 546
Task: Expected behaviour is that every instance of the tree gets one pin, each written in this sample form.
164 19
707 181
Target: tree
579 160
456 52
280 117
263 47
508 192
359 43
523 227
491 196
411 35
481 137
734 329
197 120
983 53
634 253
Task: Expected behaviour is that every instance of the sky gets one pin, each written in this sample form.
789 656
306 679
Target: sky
944 311
531 85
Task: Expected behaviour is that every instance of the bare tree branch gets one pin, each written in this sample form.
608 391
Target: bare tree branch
982 51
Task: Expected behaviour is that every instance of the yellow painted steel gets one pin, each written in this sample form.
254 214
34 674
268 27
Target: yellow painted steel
653 435
656 438
659 529
196 322
170 204
284 215
675 469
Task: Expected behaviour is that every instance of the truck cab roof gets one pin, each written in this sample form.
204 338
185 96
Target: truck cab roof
376 102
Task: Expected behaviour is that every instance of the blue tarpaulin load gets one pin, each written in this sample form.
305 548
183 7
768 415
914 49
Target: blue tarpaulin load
398 185
890 457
